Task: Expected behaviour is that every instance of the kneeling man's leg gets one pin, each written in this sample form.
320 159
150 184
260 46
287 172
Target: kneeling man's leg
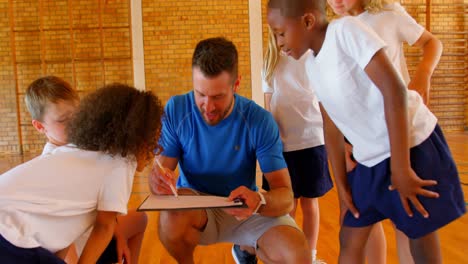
179 232
283 244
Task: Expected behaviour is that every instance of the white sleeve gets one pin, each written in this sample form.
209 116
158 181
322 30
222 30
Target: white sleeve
408 29
358 40
265 86
309 72
117 186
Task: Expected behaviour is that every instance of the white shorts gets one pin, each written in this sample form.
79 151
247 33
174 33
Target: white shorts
222 227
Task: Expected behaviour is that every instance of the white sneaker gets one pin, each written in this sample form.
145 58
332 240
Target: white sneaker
318 261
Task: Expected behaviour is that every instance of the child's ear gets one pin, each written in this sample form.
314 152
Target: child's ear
309 20
38 126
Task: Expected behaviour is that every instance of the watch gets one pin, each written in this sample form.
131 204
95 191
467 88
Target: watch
262 202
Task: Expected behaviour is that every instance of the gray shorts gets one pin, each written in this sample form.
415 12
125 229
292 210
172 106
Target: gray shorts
222 227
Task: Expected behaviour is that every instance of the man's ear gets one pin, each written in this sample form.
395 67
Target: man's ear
38 126
309 20
237 83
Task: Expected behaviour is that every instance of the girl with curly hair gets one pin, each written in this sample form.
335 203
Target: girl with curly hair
50 201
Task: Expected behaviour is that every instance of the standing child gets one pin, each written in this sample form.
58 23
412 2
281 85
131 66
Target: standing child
113 134
291 100
395 26
363 98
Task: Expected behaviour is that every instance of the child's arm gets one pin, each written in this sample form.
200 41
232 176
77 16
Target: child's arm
100 237
334 144
267 97
404 179
123 250
432 50
62 254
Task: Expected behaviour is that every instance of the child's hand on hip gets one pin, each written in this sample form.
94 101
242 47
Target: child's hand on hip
409 185
346 203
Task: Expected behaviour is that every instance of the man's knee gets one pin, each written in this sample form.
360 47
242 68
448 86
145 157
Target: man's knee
284 244
172 225
180 225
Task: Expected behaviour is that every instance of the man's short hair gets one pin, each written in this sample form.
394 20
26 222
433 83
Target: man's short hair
215 55
295 8
45 90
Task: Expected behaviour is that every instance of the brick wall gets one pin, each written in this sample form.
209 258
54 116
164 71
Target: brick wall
449 23
87 42
8 116
171 29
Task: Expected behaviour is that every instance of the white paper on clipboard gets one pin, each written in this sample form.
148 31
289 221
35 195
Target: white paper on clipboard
170 202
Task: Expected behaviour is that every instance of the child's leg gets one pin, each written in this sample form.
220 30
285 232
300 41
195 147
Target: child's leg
72 256
376 246
352 244
426 249
432 160
403 247
311 220
310 179
133 227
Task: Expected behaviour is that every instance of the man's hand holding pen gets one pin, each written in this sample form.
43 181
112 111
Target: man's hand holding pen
162 180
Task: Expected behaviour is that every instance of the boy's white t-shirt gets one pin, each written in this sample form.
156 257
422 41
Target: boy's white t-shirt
80 242
53 199
352 100
48 148
395 26
294 104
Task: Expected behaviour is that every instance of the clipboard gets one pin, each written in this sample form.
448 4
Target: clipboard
187 202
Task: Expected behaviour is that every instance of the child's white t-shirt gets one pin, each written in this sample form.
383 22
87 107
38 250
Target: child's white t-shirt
53 199
80 242
48 148
395 26
294 104
352 100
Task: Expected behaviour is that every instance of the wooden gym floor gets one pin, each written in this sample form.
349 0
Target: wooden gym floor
453 238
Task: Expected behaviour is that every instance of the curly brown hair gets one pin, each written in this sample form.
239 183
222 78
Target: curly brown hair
119 120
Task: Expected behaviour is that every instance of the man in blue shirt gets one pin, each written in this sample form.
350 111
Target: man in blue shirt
216 137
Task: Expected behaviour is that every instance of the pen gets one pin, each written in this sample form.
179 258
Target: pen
173 189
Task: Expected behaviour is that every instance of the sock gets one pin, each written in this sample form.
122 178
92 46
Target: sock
314 254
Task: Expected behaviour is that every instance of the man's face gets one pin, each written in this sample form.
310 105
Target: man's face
289 32
214 96
55 120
